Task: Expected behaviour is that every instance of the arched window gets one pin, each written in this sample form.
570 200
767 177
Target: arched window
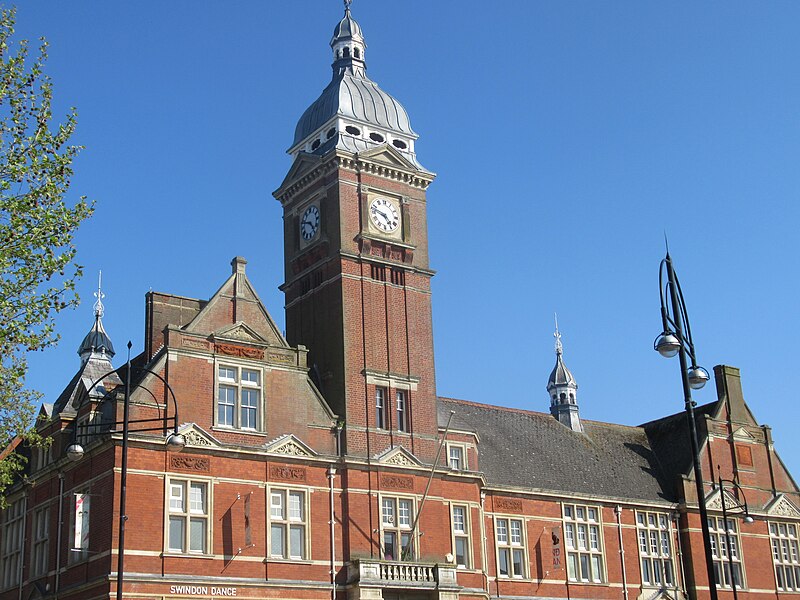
346 51
563 398
356 52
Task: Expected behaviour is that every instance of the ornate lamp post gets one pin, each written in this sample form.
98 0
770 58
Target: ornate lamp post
174 440
676 338
742 508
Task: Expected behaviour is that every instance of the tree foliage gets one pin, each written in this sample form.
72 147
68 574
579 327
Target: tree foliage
37 225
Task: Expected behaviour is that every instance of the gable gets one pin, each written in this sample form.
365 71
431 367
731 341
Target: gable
303 164
714 500
236 309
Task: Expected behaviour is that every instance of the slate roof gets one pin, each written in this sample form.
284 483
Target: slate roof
533 450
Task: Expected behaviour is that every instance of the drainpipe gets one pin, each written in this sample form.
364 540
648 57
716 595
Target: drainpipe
675 521
58 534
331 476
23 554
618 512
484 560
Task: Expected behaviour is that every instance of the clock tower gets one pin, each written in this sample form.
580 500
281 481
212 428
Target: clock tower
357 278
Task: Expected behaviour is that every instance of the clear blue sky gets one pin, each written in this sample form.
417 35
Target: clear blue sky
567 138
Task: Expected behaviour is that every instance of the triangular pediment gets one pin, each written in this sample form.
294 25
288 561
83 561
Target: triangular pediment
743 435
289 445
714 500
398 456
781 506
196 436
388 156
304 163
240 332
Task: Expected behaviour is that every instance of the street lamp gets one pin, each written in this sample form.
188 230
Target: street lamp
174 441
740 506
676 339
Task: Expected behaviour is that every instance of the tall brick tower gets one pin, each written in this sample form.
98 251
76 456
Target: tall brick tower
357 280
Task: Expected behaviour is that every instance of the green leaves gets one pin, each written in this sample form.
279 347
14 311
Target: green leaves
37 226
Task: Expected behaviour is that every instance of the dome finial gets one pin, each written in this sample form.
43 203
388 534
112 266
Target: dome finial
557 335
99 309
347 4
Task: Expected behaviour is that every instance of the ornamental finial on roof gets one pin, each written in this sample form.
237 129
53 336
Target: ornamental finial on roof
98 305
347 4
557 335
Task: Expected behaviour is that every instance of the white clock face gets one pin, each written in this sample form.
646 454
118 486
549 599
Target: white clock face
384 215
309 223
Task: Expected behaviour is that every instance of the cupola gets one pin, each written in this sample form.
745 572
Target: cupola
97 342
352 113
563 390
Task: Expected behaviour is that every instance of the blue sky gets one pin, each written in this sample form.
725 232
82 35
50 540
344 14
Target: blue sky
567 138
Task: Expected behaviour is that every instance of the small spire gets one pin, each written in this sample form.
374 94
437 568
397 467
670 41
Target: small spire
99 309
557 335
347 4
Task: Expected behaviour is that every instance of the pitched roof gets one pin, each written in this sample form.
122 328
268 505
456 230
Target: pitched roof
533 450
669 438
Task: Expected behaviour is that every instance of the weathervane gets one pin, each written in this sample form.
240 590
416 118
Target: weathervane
98 305
347 4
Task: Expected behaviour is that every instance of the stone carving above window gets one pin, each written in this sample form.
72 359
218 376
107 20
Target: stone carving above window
289 445
398 456
195 436
783 507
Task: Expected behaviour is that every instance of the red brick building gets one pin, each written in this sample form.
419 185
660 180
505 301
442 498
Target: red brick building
323 464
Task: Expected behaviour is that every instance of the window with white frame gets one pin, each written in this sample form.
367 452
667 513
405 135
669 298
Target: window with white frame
288 530
40 548
510 538
397 516
461 545
583 537
187 516
456 457
402 410
11 558
655 548
239 396
783 537
380 408
79 544
720 537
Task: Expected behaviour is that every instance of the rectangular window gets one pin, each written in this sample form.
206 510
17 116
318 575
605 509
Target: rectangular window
456 457
288 529
655 549
187 518
40 550
397 516
784 540
12 543
239 395
510 548
721 535
380 408
402 417
460 516
81 508
583 534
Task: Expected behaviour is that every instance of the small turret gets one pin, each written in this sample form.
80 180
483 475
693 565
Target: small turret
97 343
563 390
